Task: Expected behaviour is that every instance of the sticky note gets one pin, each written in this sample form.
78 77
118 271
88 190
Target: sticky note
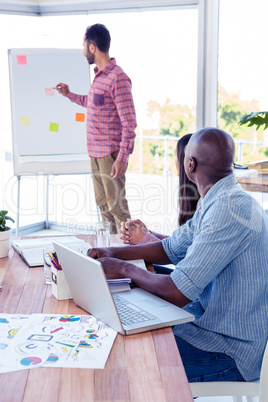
80 117
49 92
25 121
21 60
54 127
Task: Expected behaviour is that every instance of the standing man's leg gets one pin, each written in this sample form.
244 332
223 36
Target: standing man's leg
109 193
100 195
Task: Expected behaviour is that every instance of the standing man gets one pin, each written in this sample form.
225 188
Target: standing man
111 121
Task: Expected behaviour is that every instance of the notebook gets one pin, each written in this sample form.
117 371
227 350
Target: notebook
31 250
129 312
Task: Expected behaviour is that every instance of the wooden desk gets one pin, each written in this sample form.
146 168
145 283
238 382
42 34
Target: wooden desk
143 367
251 181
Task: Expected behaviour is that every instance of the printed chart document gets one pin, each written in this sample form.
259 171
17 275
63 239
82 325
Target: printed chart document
31 250
53 340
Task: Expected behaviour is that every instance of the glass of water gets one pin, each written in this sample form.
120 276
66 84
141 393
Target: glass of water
47 265
103 234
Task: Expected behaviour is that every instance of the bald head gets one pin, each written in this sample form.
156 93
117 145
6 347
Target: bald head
212 153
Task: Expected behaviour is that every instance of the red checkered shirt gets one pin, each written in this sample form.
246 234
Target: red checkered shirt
111 117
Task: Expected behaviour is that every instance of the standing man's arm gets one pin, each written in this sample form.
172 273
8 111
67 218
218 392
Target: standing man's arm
123 100
63 89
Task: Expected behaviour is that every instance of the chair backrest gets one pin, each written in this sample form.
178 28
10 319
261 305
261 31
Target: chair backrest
263 395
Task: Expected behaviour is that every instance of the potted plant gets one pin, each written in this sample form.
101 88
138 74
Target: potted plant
5 233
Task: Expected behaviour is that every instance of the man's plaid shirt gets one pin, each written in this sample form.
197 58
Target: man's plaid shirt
111 117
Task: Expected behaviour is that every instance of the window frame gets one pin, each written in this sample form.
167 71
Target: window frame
208 33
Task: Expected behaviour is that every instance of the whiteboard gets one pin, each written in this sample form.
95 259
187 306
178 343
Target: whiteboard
48 130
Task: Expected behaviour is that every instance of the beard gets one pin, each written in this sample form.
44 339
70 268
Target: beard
90 59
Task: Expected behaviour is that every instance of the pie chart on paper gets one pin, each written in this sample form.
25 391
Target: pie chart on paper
30 361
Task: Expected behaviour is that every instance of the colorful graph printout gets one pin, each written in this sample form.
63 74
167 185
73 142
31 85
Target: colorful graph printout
41 340
70 318
30 361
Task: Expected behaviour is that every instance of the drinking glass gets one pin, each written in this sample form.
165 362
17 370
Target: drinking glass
103 234
47 265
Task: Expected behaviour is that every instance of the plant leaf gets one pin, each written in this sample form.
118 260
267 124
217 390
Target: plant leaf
10 219
255 118
3 212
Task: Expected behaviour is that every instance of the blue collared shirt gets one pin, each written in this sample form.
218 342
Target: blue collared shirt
221 258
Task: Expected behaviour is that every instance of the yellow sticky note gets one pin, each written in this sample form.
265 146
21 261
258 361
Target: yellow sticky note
54 127
25 121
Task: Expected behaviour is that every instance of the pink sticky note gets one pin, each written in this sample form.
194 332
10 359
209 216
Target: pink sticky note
49 92
21 59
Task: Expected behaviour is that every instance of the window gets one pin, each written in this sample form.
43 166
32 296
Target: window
242 78
158 50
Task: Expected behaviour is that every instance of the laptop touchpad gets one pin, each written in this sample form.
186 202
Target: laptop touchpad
155 303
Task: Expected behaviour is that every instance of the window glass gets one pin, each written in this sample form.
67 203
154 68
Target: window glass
242 79
158 50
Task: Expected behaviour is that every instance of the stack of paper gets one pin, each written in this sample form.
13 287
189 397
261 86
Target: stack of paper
123 284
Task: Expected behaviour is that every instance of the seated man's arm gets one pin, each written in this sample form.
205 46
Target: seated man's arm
149 252
160 285
115 265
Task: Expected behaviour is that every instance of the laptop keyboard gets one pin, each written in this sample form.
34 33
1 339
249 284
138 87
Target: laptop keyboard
129 313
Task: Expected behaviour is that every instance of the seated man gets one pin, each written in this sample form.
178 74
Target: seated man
221 274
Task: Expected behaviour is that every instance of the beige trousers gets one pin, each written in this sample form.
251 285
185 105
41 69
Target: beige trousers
110 193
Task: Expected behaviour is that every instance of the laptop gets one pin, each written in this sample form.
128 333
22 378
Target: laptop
128 312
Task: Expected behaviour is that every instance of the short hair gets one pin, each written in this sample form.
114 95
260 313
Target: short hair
99 35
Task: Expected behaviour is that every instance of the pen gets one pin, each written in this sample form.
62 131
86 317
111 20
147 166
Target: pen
54 261
55 266
55 256
59 87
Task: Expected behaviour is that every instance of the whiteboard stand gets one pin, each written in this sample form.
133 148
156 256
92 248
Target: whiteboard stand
46 222
18 207
47 202
18 204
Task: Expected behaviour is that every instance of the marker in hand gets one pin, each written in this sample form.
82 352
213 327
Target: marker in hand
59 87
63 89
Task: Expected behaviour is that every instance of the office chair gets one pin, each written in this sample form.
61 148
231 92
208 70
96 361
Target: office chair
236 389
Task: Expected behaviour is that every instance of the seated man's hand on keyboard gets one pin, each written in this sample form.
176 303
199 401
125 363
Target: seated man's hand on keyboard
114 268
100 252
